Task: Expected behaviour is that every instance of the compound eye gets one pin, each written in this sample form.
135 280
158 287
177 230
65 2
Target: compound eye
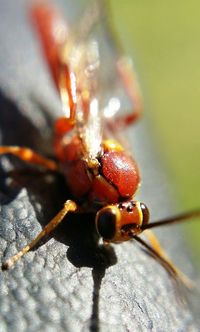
106 223
145 213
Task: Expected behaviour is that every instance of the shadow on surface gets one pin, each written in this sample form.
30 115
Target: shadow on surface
15 127
48 191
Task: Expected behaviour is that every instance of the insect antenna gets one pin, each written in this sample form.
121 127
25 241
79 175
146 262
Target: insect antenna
169 268
175 219
175 273
187 292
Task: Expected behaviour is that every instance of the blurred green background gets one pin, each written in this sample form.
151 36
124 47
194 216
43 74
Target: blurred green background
164 39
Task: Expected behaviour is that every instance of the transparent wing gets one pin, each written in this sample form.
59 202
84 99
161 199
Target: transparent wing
96 83
101 69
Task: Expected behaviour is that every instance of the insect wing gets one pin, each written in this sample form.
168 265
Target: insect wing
107 73
93 54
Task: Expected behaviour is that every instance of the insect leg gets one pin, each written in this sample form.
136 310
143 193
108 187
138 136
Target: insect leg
129 79
158 253
156 245
29 156
69 206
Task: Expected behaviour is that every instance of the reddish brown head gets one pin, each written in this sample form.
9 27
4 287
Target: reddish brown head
120 222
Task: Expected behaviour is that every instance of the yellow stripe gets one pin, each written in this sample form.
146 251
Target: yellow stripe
140 212
112 145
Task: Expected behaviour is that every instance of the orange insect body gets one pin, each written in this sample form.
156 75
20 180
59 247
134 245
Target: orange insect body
113 178
99 172
112 175
109 177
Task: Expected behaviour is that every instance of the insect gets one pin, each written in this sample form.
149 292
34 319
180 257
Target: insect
99 171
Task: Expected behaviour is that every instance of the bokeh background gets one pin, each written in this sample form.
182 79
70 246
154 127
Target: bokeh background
164 39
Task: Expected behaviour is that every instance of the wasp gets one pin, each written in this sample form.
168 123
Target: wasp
100 172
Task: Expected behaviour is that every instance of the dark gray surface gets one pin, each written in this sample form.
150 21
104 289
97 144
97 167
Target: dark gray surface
67 284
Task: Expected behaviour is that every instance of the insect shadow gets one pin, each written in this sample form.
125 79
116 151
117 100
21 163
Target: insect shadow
15 127
47 189
76 231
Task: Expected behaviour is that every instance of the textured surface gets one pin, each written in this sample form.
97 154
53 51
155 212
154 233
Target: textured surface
66 283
